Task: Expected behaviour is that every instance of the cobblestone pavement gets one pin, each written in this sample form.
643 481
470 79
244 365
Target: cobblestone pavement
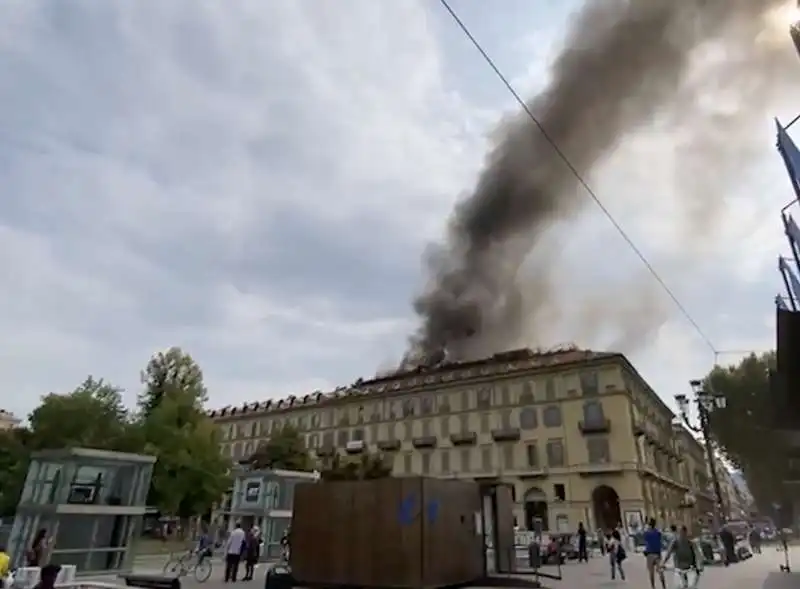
760 572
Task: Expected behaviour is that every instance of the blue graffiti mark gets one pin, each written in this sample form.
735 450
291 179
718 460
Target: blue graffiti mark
406 509
432 511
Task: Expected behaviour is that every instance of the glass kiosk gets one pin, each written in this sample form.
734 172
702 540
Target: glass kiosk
90 502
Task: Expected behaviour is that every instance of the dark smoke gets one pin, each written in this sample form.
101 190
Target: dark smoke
624 64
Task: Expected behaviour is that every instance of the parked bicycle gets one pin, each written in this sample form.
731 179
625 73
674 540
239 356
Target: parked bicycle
189 563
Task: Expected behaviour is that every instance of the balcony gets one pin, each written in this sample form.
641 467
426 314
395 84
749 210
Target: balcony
389 445
424 442
599 468
531 472
326 451
595 426
355 447
464 439
506 434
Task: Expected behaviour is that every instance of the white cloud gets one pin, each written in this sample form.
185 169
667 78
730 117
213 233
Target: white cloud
256 182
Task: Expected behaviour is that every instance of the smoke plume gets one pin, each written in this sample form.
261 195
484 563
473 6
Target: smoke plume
625 64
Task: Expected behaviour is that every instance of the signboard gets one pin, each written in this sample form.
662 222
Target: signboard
252 491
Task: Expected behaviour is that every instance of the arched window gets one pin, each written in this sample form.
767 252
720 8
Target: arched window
526 396
552 416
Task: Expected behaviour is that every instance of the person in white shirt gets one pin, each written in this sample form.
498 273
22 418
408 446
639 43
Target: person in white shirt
616 554
233 552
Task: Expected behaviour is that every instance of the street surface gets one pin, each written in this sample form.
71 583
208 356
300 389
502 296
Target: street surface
760 572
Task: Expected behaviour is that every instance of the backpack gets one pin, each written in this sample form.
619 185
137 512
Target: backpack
621 554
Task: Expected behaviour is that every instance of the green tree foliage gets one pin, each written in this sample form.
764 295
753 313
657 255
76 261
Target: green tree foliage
744 429
190 473
285 449
358 468
91 416
13 468
173 373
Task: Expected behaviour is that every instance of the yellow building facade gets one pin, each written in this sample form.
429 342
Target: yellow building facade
578 434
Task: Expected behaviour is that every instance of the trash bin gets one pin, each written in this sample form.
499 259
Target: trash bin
279 577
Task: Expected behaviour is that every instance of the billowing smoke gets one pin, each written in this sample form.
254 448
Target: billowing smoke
625 63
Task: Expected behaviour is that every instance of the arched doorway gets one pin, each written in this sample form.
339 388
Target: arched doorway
536 509
607 513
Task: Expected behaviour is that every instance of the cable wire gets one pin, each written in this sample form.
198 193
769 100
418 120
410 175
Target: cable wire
490 62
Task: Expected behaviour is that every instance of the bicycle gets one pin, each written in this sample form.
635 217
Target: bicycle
189 562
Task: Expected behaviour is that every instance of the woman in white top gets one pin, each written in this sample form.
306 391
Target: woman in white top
616 554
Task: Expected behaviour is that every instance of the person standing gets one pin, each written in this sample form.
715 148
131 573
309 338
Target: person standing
653 545
583 553
728 545
234 546
252 552
35 554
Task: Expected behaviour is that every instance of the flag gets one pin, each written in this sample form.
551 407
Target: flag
791 157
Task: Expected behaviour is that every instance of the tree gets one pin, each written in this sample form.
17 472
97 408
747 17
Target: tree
172 373
286 450
360 468
91 416
744 429
14 460
190 473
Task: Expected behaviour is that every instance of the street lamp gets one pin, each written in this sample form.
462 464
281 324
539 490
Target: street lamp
707 402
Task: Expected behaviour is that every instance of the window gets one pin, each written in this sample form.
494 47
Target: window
505 419
426 463
598 450
359 416
358 435
550 390
408 408
532 454
503 395
375 413
464 419
560 491
486 459
342 438
445 461
426 427
444 404
426 405
407 464
551 416
484 398
444 426
485 425
465 398
528 418
590 384
315 419
466 459
327 439
555 453
526 396
593 412
508 456
313 441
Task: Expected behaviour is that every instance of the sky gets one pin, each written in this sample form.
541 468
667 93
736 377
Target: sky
257 181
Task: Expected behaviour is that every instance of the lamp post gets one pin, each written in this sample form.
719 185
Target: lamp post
706 403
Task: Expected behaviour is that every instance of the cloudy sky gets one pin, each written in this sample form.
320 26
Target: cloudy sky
256 181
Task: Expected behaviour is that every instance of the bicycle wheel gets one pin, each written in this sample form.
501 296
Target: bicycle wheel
202 571
174 568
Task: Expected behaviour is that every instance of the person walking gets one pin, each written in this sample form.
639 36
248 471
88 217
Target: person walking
234 546
583 553
653 545
688 561
616 554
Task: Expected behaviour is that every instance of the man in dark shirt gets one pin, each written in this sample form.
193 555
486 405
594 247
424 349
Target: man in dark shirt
583 554
653 539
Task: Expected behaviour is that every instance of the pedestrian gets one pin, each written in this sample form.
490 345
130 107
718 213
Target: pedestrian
728 545
233 552
583 553
251 552
755 540
688 563
616 554
48 577
35 554
653 545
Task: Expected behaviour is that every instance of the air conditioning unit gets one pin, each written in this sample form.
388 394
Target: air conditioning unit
355 446
82 494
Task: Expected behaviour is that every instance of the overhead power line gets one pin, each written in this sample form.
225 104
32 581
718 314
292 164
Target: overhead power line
627 238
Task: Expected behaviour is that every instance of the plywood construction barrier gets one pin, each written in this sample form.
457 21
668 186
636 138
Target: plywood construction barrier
401 533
